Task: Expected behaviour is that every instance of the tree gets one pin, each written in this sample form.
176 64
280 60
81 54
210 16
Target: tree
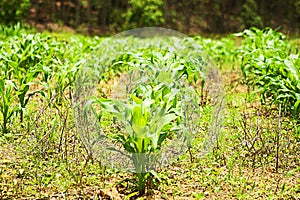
250 15
13 11
144 13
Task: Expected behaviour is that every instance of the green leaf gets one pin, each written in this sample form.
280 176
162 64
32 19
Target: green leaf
139 121
164 76
157 126
136 99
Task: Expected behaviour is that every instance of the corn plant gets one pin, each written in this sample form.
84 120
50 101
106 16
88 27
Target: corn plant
24 80
14 30
148 120
221 51
7 106
64 79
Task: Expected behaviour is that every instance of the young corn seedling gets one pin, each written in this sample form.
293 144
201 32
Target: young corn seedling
24 80
7 108
148 121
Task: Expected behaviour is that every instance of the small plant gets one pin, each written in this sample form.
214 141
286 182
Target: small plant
148 121
24 80
7 106
64 79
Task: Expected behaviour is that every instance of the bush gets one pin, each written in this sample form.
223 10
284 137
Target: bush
144 13
13 11
250 15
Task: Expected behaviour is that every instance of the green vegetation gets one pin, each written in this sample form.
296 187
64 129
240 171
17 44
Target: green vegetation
156 108
13 11
189 16
255 155
272 64
144 13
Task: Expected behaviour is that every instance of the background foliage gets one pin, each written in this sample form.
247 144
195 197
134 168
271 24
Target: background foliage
190 16
144 13
13 11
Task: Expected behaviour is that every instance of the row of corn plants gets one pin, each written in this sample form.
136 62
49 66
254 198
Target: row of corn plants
35 64
41 64
271 65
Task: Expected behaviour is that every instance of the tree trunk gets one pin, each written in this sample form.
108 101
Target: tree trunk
77 13
89 16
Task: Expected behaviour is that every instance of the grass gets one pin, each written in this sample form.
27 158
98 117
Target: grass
47 160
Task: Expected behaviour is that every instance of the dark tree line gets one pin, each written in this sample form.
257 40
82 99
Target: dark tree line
189 16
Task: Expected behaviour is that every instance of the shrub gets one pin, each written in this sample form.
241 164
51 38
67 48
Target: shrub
144 13
13 11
